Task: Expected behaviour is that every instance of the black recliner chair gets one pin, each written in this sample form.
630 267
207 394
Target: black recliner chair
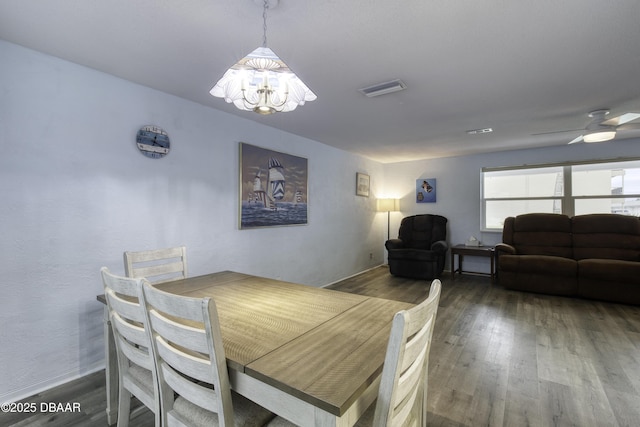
420 250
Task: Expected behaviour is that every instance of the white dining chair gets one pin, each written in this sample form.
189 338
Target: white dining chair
191 364
157 265
402 396
136 368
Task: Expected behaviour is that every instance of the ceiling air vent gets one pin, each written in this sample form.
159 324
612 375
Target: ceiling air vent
479 131
383 88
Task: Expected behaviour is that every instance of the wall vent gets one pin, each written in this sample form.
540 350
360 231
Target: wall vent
383 88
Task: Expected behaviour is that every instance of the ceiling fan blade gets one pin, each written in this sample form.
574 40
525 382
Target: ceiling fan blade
630 126
621 119
578 139
557 131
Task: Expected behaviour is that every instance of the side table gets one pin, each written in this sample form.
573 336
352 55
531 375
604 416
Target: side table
479 251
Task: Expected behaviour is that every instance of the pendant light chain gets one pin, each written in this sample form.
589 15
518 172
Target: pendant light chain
264 23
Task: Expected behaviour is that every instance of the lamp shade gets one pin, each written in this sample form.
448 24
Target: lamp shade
388 205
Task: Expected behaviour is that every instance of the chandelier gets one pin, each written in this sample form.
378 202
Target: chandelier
261 81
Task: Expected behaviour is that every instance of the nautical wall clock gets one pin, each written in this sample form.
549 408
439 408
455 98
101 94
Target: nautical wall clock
153 142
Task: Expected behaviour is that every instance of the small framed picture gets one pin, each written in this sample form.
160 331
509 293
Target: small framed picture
362 184
426 190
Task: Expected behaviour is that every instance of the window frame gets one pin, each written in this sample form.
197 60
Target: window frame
567 199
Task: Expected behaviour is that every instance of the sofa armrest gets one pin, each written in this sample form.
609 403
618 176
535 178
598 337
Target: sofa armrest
394 244
505 249
440 246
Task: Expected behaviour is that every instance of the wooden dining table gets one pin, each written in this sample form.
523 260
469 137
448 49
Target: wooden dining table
311 355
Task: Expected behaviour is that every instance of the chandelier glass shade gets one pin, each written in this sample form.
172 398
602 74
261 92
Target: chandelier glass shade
263 83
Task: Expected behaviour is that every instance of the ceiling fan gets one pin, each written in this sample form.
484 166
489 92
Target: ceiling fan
600 130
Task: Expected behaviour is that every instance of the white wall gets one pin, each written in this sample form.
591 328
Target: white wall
458 185
76 193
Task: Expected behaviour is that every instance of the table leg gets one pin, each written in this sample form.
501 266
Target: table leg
493 268
111 371
453 267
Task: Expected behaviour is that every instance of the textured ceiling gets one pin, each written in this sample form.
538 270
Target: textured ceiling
519 67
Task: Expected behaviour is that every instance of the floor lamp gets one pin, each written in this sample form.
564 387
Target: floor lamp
388 206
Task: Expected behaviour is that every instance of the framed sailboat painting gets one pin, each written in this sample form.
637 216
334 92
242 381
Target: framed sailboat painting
273 188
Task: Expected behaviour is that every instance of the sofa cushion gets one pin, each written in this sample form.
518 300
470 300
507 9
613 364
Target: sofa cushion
539 273
606 236
539 264
609 280
540 234
610 270
414 254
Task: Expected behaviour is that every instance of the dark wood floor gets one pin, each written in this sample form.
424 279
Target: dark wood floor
499 358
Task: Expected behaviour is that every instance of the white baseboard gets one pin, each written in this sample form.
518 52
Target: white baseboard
33 389
353 275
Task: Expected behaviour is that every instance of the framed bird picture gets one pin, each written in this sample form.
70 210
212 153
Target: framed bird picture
426 190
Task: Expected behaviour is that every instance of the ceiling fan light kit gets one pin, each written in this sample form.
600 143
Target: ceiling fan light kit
599 135
261 81
596 131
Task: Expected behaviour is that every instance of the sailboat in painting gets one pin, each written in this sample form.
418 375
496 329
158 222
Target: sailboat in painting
275 186
279 198
259 196
276 179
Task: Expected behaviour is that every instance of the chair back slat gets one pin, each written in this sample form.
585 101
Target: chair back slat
203 396
157 265
134 333
183 335
166 304
416 346
158 270
191 364
121 285
410 378
137 355
127 308
403 385
405 409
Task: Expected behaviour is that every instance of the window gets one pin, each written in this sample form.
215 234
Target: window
572 189
612 187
